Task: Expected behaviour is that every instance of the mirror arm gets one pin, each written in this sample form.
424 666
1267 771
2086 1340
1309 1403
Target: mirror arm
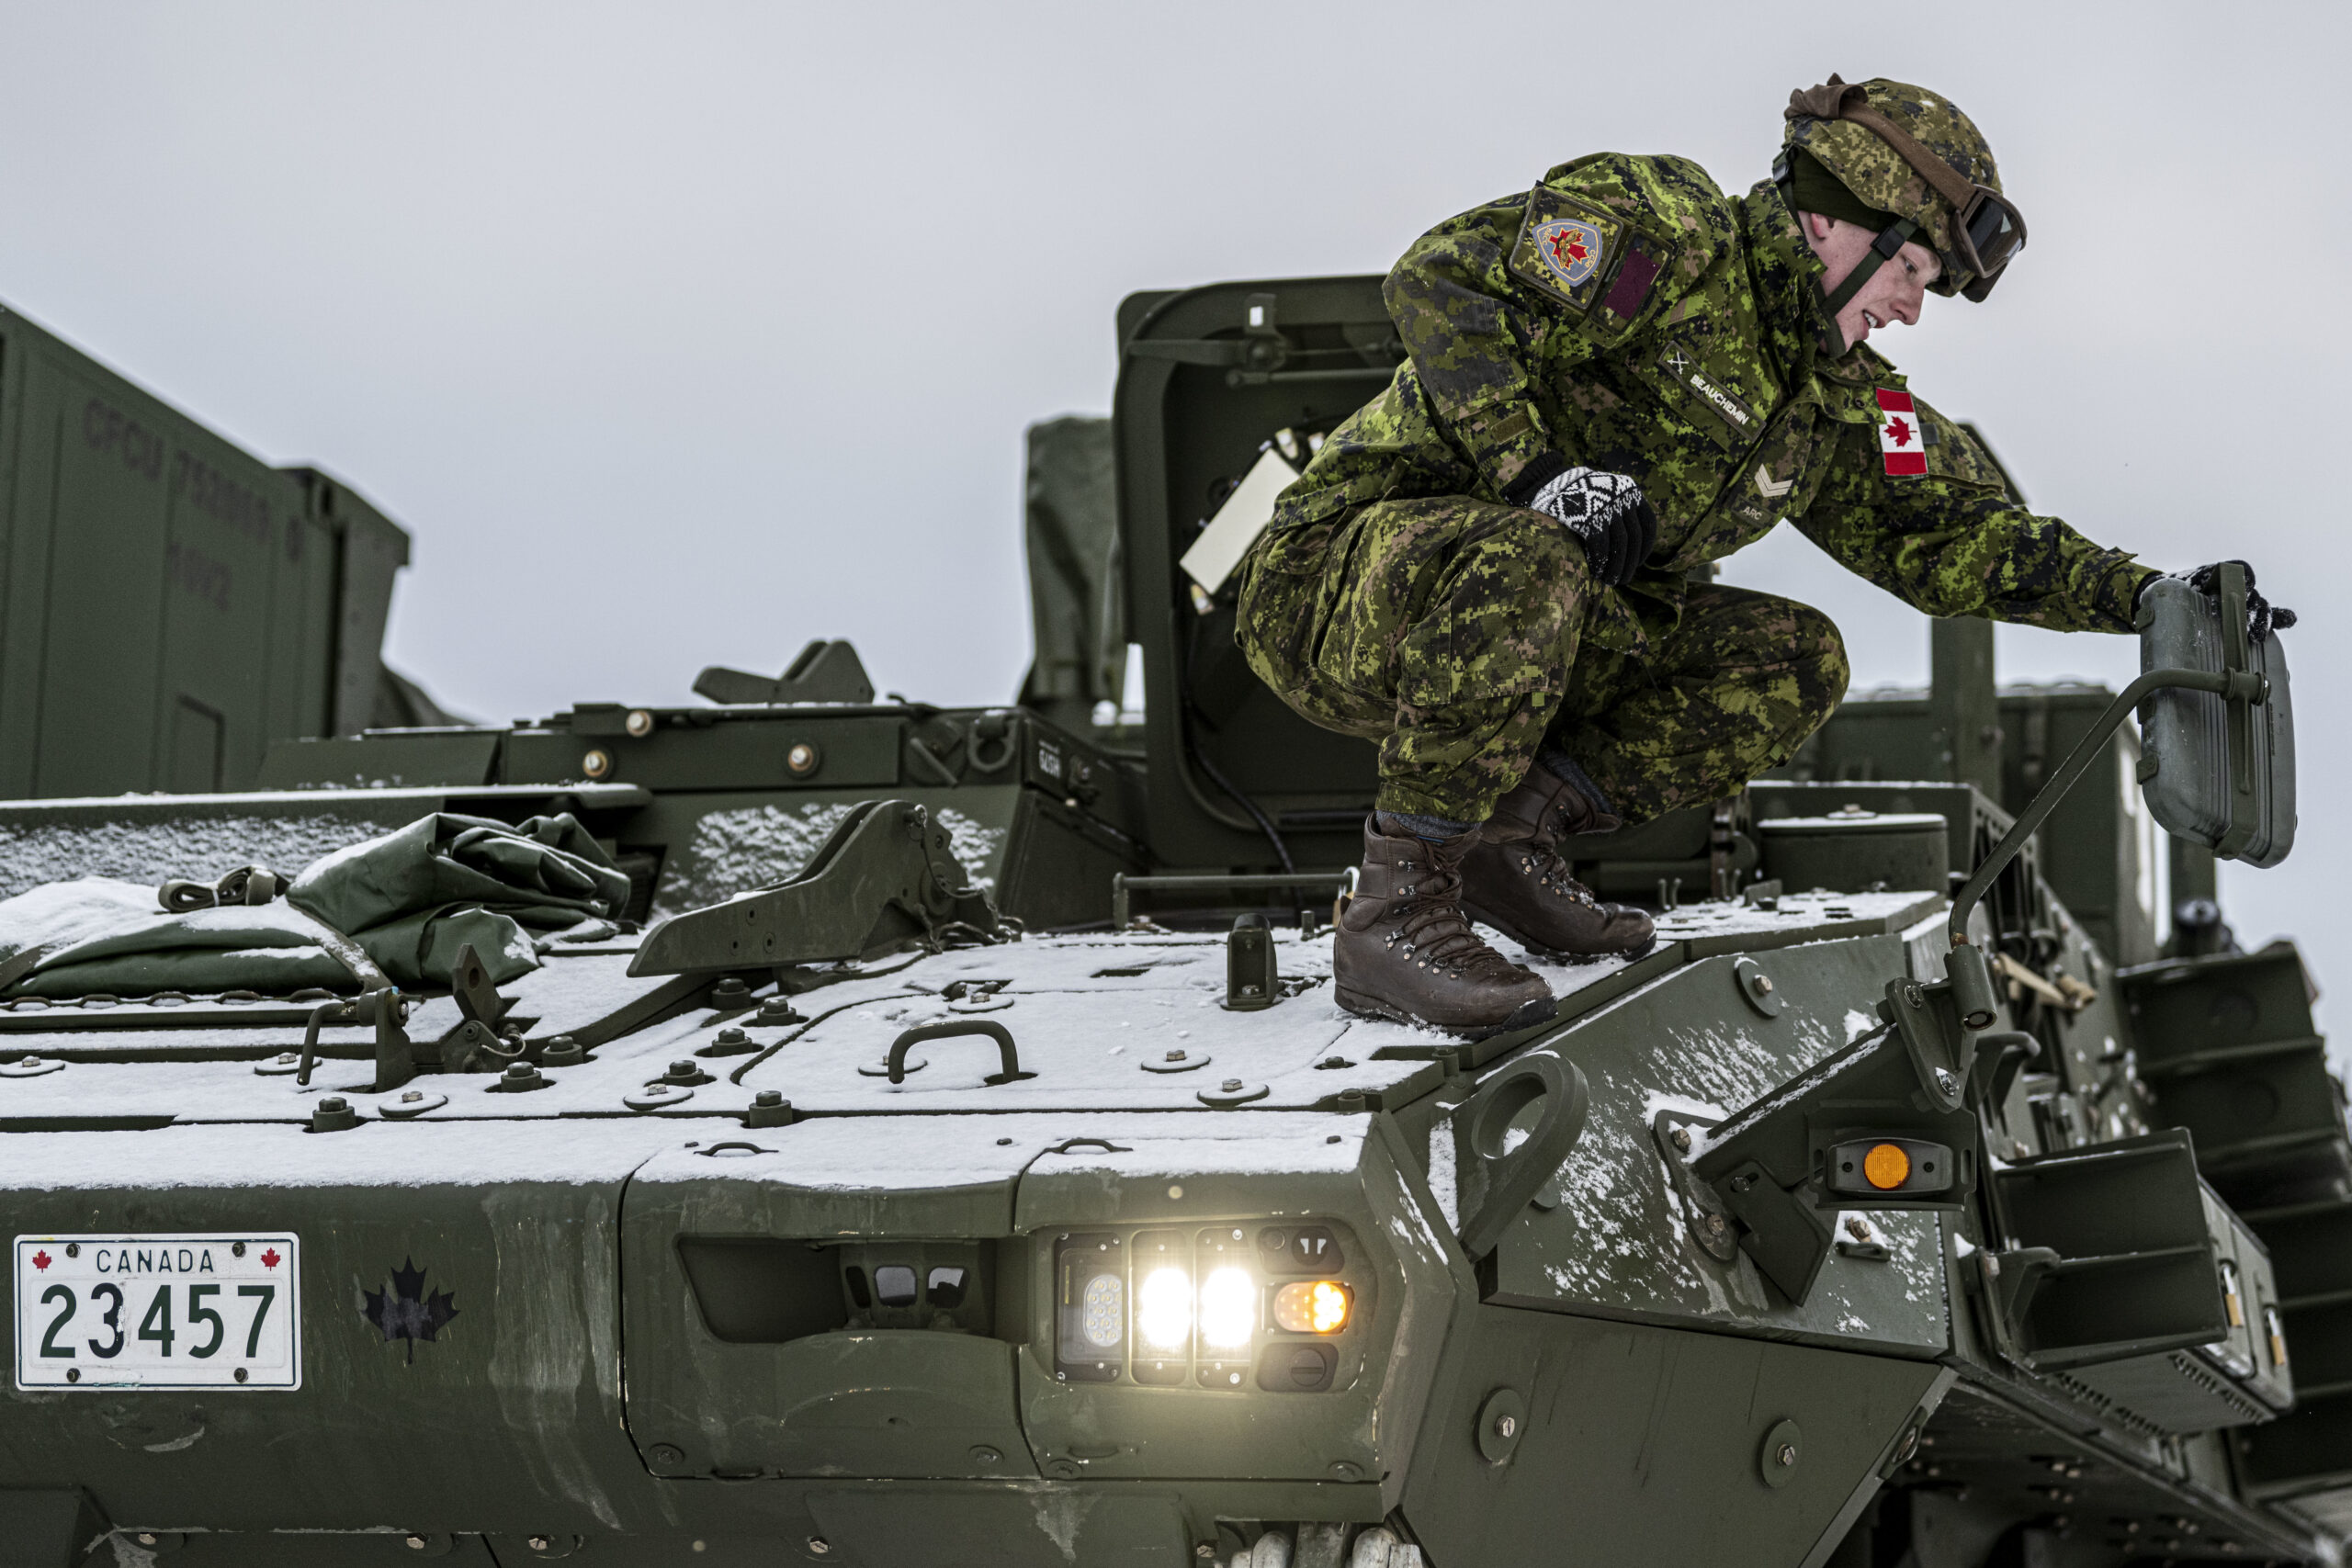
2242 687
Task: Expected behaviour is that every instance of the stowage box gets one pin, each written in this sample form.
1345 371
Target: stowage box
169 603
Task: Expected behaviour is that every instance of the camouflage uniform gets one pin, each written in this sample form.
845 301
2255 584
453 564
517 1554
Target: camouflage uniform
1673 335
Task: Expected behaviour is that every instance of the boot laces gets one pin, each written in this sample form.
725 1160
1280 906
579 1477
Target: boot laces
1437 935
1540 858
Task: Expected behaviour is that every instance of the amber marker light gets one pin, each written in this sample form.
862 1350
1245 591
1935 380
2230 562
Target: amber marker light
1886 1167
1312 1306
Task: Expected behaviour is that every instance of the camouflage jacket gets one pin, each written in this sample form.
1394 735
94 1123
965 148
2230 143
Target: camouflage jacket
1626 315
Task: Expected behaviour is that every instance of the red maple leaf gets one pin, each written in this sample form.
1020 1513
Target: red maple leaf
1898 432
1571 246
40 1260
269 1259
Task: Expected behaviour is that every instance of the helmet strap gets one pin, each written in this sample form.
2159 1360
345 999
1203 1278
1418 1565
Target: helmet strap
1885 248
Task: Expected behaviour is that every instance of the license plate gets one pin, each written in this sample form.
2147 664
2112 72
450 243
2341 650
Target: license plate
158 1312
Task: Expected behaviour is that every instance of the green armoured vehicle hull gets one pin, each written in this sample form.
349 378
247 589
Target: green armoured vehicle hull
803 1209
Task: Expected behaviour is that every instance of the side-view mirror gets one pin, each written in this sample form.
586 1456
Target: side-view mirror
2216 771
2217 760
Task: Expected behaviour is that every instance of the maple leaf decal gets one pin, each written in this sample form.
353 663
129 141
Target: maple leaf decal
405 1312
1898 432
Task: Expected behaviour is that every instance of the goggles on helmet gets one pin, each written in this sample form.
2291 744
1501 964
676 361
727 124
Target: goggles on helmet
1985 235
1987 230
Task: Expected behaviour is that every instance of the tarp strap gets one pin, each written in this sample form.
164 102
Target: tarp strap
350 954
23 964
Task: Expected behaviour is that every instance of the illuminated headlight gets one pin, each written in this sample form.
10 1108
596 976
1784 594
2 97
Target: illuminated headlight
1164 1310
1161 1266
1228 1309
1225 1265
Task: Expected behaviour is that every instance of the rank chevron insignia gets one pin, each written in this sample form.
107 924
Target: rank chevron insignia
1773 488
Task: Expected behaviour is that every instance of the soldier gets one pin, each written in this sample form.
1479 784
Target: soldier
1610 380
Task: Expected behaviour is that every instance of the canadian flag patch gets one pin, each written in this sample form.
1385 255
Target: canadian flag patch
1898 434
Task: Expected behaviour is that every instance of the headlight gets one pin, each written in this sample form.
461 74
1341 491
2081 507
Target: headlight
1090 1324
1164 1310
1104 1317
1228 1309
1204 1308
1162 1266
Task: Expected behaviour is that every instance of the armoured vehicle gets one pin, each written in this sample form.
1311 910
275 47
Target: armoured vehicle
804 1128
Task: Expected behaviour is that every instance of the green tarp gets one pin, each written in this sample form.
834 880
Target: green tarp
407 901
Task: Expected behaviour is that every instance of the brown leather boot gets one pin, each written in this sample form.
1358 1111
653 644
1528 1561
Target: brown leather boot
1516 880
1404 950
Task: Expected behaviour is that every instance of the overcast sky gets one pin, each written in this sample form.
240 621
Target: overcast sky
678 334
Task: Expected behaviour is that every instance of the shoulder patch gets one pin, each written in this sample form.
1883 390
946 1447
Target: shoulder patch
1565 246
1632 290
1899 444
1581 255
1585 257
1915 441
1661 224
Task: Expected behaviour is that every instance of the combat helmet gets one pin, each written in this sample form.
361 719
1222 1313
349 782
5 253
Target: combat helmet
1902 150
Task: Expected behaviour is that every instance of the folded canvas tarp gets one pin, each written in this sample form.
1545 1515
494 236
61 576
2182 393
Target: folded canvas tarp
400 906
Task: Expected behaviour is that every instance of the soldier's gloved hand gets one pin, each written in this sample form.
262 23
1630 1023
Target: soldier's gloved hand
1608 514
2261 616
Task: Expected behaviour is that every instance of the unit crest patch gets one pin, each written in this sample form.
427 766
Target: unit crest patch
1570 247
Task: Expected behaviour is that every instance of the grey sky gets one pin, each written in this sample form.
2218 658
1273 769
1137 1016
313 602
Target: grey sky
680 333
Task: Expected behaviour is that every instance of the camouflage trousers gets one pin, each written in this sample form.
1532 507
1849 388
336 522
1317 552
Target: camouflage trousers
1459 634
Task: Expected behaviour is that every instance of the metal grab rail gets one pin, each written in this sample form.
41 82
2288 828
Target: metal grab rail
382 1006
2234 685
344 1010
989 1027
